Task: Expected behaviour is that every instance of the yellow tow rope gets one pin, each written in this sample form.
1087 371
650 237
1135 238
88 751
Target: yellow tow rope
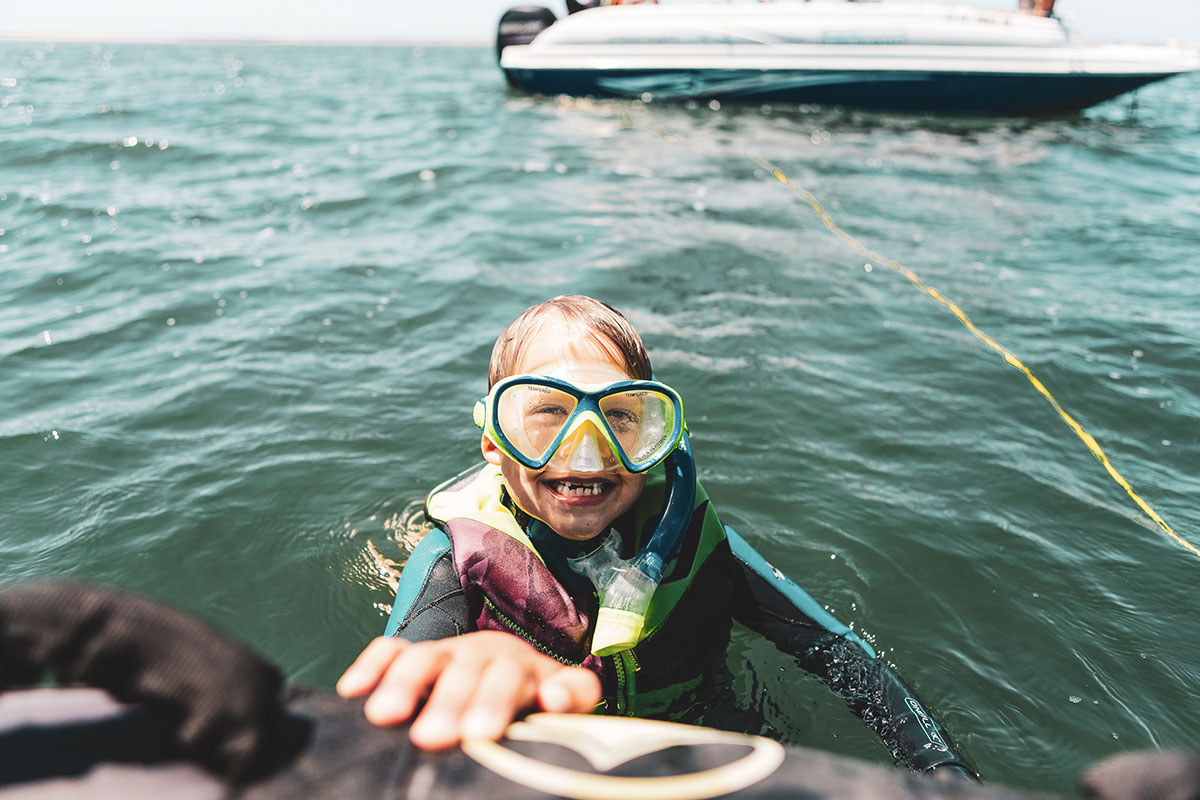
956 310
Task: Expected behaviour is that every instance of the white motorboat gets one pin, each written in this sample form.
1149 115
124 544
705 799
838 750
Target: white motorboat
898 57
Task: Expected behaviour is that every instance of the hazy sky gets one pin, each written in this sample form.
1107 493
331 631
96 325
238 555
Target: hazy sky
1153 21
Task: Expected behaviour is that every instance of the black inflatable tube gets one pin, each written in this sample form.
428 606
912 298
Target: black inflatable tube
173 708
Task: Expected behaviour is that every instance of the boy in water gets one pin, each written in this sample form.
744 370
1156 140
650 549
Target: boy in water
581 566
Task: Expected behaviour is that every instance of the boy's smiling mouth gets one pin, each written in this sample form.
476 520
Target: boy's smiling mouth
579 487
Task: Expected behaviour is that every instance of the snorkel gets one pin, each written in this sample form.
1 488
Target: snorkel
625 587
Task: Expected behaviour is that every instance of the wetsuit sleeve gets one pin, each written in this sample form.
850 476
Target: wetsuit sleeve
430 603
775 607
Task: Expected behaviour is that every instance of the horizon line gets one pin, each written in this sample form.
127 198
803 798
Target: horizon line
210 40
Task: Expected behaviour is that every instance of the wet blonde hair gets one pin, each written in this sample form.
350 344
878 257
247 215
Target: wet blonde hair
598 321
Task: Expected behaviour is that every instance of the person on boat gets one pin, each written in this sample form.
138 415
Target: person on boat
581 566
574 6
1040 8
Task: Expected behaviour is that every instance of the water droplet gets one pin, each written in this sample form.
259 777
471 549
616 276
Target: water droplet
715 105
170 322
868 267
427 175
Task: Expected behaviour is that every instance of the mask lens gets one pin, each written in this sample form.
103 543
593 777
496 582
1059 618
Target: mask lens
531 416
642 421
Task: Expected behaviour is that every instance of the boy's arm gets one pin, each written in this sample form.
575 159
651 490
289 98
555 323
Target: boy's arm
771 605
430 603
451 686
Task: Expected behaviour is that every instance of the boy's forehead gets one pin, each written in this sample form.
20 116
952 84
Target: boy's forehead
573 352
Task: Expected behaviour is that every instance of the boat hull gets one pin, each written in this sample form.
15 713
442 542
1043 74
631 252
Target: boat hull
875 56
906 91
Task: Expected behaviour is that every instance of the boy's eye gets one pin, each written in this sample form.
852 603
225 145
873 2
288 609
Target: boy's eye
549 410
621 419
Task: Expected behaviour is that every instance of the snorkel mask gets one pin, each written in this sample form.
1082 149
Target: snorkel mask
535 420
538 421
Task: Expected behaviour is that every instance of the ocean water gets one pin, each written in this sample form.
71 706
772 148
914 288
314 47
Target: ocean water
248 292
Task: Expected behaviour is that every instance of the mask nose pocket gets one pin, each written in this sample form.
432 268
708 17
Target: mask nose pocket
586 457
585 450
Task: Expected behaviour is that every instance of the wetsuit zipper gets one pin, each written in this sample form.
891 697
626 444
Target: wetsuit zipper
519 631
625 666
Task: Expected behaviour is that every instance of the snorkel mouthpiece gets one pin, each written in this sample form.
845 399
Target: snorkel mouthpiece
625 591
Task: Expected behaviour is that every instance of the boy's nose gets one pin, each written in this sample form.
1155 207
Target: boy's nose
585 451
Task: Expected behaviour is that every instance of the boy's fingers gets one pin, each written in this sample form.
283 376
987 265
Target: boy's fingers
506 688
362 676
570 690
438 725
407 679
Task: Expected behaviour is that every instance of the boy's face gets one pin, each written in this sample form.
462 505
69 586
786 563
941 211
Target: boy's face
552 493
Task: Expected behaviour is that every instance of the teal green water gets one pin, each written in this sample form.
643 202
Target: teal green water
247 295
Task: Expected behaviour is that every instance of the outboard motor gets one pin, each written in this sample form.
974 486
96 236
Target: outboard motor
520 25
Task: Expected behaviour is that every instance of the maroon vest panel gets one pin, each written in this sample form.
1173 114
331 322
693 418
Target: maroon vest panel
515 592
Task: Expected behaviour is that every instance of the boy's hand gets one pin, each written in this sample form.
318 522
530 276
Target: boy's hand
476 683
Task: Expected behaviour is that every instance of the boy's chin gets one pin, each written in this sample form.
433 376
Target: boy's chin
577 523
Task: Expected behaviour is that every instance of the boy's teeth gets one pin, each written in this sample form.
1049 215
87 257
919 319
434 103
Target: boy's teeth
572 489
